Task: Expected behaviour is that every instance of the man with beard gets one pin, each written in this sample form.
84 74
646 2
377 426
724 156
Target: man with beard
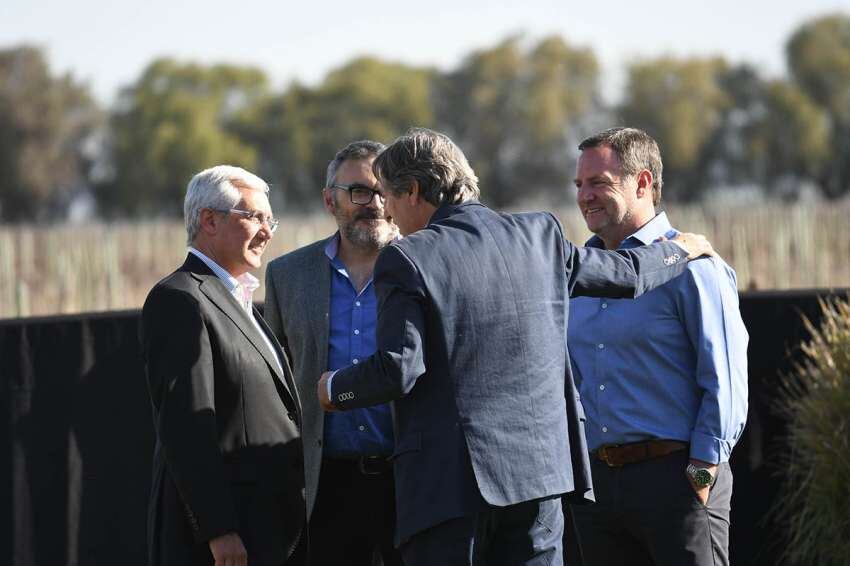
320 302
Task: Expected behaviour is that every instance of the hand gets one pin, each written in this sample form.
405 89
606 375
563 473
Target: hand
322 392
228 550
695 244
702 492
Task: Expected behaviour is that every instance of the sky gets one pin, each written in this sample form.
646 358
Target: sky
107 43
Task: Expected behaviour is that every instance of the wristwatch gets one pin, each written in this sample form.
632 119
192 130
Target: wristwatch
701 477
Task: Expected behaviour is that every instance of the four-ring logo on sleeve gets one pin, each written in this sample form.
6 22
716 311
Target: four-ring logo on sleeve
670 260
347 396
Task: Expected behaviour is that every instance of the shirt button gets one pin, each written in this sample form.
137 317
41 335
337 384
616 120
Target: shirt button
356 331
361 428
355 361
602 387
357 303
604 305
600 346
604 429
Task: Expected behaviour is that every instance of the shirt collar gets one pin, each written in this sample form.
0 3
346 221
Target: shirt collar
648 233
241 287
332 247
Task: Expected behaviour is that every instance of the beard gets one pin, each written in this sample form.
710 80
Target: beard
372 236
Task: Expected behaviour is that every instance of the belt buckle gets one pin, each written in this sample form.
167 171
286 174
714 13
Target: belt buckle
602 452
365 465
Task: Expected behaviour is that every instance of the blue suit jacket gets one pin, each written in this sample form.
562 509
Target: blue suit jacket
472 323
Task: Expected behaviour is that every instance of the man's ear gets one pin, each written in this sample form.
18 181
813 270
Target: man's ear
644 183
209 220
328 200
414 197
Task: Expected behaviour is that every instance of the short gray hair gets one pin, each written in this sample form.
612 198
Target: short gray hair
216 188
432 160
636 150
355 151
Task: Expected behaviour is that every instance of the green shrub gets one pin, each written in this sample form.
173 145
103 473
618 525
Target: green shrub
814 503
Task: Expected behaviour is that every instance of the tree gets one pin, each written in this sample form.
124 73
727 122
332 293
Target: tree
770 135
174 121
299 132
513 112
795 134
819 60
681 103
44 122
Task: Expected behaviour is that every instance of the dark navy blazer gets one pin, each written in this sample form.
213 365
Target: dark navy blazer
472 323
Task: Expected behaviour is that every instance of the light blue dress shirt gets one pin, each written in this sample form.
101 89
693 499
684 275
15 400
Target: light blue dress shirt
670 364
351 338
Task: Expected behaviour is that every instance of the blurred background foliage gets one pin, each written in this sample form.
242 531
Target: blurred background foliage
814 503
518 109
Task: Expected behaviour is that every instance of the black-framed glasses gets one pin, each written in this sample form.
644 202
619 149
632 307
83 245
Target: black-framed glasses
256 217
359 193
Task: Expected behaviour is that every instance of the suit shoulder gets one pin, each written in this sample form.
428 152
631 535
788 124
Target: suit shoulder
295 258
541 218
177 288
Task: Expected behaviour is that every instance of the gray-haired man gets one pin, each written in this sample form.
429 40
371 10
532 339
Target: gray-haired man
228 477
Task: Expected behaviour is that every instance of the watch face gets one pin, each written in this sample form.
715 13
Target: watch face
703 478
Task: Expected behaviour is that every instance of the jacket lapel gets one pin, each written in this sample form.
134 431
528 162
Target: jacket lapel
213 288
287 367
318 278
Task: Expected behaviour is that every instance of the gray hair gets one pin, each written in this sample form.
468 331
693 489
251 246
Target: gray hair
354 151
432 160
636 150
216 188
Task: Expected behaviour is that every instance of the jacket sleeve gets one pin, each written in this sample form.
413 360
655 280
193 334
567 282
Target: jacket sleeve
180 373
622 273
399 361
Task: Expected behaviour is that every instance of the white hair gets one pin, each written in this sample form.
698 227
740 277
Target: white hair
216 188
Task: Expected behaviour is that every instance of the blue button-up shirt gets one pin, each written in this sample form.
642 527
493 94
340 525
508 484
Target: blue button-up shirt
351 338
671 364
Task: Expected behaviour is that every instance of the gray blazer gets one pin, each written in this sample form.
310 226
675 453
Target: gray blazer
298 288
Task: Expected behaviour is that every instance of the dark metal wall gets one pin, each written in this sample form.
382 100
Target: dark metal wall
76 436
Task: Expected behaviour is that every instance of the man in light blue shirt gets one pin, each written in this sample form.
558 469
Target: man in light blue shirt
663 379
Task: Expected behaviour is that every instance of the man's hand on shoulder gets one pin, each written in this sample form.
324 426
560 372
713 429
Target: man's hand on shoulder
695 245
322 392
228 550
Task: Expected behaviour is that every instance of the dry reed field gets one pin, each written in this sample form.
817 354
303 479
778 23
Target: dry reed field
101 266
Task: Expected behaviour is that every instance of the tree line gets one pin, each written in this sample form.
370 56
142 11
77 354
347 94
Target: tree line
518 109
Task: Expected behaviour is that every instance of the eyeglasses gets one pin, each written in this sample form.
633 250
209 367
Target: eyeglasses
257 218
359 194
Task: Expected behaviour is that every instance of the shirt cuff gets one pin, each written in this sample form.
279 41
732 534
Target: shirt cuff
709 448
330 379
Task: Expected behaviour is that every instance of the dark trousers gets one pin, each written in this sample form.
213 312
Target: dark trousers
526 533
648 514
354 516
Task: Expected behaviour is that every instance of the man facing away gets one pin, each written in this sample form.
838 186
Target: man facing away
228 476
471 346
320 302
663 379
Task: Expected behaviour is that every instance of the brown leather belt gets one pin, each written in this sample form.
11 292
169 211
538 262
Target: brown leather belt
616 455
